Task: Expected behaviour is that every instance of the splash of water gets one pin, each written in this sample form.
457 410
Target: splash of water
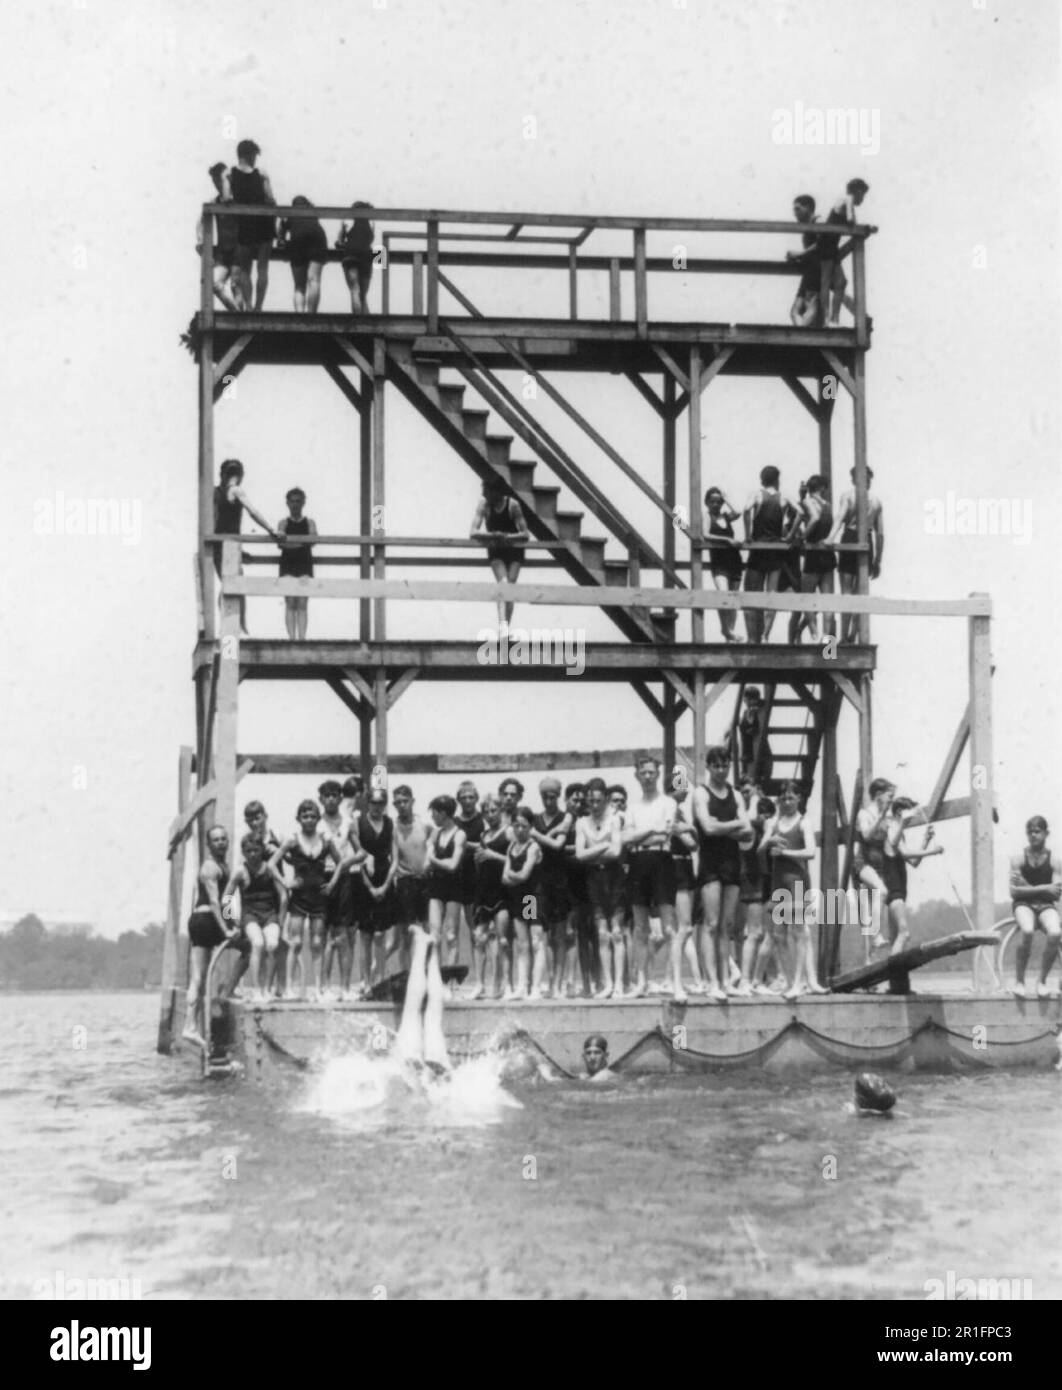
380 1087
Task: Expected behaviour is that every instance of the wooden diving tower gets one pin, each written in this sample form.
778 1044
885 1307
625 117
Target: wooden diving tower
444 355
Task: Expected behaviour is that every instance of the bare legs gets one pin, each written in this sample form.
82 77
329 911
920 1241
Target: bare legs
226 288
727 616
420 1034
505 572
719 904
758 623
1026 919
296 618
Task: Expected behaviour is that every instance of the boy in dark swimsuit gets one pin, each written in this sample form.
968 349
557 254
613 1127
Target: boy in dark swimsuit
819 565
721 820
230 503
208 928
846 530
499 520
724 559
410 885
807 308
263 905
770 517
1035 887
521 888
254 235
550 833
296 561
446 850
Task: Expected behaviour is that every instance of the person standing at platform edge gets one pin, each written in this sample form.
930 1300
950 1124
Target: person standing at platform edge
724 557
230 502
846 530
226 275
355 241
254 235
772 518
296 561
307 248
499 520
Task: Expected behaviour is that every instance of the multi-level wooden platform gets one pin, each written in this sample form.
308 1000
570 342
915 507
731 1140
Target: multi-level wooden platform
448 358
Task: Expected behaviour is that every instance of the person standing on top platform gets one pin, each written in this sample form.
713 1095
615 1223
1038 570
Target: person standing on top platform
355 241
307 248
230 502
846 530
499 520
254 235
296 561
770 516
806 311
842 214
724 559
226 278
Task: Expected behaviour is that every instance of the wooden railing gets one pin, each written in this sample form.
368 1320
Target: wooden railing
435 229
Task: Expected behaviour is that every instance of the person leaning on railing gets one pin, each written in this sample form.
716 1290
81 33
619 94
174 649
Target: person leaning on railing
355 241
230 502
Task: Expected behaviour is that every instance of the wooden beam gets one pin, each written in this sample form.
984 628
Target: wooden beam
696 515
601 595
672 366
641 297
714 367
700 712
614 304
356 707
398 687
358 358
848 690
361 685
433 276
951 762
349 390
648 699
829 933
862 485
806 698
230 357
199 802
171 968
645 390
982 772
379 459
711 696
840 371
227 719
677 683
803 395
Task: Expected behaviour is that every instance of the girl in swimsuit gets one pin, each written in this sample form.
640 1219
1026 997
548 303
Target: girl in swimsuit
446 848
1035 887
230 503
520 883
296 561
490 918
724 560
790 846
308 854
263 903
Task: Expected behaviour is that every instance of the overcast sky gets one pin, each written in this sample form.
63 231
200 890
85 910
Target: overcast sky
111 114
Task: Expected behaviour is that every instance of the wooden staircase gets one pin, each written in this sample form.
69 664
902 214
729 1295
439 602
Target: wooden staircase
777 735
468 430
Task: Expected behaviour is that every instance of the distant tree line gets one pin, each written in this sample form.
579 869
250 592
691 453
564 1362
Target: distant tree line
34 957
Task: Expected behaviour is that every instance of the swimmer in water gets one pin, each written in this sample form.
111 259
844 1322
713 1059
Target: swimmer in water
420 1039
595 1058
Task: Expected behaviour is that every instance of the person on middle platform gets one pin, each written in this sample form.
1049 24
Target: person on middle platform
722 823
724 557
771 518
296 561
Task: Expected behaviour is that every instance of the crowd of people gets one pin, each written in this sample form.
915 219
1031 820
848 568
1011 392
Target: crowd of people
244 243
604 894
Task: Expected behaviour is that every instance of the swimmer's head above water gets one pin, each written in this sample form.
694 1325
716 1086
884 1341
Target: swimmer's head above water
595 1054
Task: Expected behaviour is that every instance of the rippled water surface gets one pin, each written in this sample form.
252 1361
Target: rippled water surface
117 1163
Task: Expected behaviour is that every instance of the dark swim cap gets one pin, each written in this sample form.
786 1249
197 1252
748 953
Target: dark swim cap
873 1092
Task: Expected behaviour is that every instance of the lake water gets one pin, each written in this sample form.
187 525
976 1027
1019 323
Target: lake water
116 1164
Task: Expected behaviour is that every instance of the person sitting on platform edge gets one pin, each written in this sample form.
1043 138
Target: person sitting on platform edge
846 530
499 520
1035 888
230 502
296 561
770 517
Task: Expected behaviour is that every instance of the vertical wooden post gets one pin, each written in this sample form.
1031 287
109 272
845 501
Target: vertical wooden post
829 932
696 527
365 500
206 482
418 284
226 721
981 871
573 284
698 724
862 482
866 734
859 276
379 499
171 963
641 296
380 692
824 418
614 310
670 484
385 276
433 276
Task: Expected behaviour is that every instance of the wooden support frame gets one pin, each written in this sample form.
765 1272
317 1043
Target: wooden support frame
171 966
981 772
227 719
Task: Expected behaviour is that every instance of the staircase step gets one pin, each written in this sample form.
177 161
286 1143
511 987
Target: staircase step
618 573
451 397
428 370
498 446
569 525
545 501
474 424
593 554
520 474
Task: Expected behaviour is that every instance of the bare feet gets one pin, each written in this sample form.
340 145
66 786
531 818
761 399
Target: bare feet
1019 992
